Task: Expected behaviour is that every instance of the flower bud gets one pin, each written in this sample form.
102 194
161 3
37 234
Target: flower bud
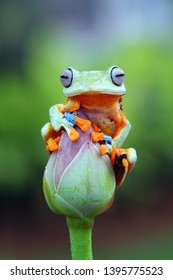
78 180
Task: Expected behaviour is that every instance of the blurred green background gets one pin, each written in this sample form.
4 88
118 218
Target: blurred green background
38 39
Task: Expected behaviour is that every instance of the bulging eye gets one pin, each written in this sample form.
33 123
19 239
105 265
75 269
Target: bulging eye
117 76
66 77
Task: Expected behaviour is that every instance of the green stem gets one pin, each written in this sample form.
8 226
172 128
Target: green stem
80 237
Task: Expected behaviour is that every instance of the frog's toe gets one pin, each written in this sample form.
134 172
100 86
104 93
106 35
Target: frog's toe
82 123
52 145
105 149
100 136
95 127
97 136
72 133
68 123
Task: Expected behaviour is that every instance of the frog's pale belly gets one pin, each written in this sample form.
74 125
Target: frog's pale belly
103 110
102 120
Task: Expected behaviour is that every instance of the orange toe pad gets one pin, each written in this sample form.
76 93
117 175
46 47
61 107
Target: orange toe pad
97 136
51 145
82 123
73 134
103 149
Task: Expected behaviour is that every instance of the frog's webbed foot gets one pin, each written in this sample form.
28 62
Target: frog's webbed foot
105 141
73 120
123 161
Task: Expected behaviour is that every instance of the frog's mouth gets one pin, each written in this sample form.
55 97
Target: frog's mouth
90 99
95 92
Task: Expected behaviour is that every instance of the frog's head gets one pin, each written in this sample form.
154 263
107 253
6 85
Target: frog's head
93 82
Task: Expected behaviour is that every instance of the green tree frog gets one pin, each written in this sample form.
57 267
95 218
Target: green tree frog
99 94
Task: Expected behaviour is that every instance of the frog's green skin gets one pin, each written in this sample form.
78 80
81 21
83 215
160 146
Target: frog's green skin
100 95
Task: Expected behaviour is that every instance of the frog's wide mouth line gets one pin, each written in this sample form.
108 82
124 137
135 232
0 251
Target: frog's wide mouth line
95 93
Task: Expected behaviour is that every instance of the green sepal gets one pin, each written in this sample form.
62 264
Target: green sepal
57 204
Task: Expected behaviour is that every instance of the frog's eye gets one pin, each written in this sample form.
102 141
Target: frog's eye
66 77
117 76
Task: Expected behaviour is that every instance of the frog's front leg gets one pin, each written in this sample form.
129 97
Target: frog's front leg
118 140
64 115
58 121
